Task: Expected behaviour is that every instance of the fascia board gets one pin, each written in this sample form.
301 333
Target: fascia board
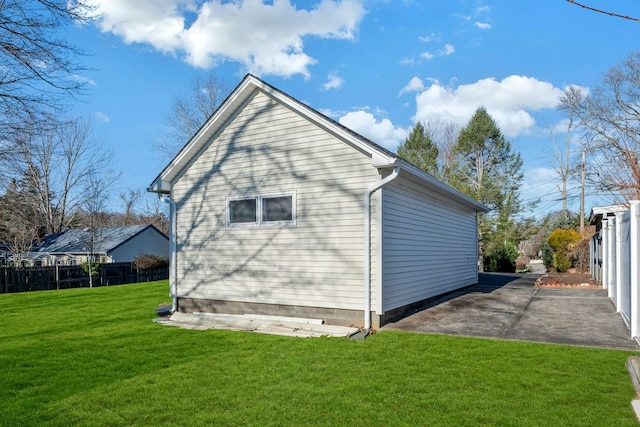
217 121
442 188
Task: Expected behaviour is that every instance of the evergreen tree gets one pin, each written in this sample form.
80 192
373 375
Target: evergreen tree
420 150
489 171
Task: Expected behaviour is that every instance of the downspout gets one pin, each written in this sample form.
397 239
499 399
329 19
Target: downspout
172 252
367 243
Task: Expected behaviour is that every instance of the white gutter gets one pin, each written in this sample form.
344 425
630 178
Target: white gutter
173 284
367 241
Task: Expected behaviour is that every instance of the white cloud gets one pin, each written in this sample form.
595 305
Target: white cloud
448 49
409 61
561 127
415 85
102 117
483 25
509 102
83 80
585 91
267 38
431 37
540 183
334 82
381 132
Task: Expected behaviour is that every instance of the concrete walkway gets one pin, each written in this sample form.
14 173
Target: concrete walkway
509 306
287 326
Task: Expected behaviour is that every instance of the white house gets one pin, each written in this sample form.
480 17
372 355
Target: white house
279 210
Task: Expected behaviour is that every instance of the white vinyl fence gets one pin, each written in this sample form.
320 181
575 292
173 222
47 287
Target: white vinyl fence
615 253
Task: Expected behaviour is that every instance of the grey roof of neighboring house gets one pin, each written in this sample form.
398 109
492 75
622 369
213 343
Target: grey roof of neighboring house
78 241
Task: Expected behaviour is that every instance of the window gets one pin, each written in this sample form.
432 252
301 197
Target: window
277 208
261 211
242 211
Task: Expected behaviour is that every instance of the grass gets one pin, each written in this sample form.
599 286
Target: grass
93 357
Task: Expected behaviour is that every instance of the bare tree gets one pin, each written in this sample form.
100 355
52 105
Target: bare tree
61 164
561 162
605 12
94 207
39 69
156 212
20 222
129 198
445 135
610 119
189 112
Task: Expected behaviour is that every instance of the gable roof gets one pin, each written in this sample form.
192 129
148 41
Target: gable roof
380 156
600 212
77 240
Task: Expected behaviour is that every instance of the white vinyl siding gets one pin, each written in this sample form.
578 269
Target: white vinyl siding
429 245
268 149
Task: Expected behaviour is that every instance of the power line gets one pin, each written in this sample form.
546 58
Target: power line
603 11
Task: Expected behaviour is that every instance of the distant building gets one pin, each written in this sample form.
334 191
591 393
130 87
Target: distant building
596 217
104 245
4 253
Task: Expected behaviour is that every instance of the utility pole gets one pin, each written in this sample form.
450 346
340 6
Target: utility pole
565 175
582 196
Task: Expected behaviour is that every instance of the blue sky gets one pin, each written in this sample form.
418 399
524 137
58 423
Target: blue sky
376 66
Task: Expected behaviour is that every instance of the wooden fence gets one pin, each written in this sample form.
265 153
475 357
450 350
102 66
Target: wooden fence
65 277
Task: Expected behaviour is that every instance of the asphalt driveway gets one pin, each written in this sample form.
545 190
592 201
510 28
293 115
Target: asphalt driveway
509 306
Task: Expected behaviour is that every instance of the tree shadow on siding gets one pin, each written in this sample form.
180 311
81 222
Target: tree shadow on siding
206 236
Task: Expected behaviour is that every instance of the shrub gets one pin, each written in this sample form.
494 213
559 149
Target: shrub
547 256
145 261
582 253
502 260
95 268
561 261
521 263
563 243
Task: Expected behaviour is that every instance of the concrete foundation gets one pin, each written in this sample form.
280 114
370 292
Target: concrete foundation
330 316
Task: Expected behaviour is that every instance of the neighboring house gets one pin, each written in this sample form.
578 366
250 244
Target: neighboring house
104 245
278 210
599 213
5 253
596 217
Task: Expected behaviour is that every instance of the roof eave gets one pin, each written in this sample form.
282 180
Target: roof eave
443 188
162 184
160 187
380 157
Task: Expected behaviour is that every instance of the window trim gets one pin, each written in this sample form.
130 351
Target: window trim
259 211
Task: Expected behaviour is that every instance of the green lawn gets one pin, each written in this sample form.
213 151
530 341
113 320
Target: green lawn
94 357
